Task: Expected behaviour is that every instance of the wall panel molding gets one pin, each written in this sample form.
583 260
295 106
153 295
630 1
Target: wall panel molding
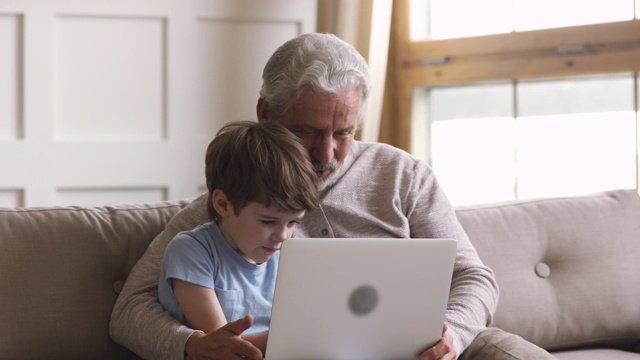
11 85
109 78
11 197
114 101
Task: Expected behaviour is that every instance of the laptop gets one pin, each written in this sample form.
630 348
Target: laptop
359 298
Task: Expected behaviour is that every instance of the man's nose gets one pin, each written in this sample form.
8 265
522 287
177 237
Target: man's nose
324 149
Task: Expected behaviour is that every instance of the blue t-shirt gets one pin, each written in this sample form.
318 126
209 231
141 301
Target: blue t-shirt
202 257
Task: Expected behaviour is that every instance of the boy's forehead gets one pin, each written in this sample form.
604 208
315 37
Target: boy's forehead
272 208
274 211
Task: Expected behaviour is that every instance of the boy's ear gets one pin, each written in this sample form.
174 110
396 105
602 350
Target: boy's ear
221 203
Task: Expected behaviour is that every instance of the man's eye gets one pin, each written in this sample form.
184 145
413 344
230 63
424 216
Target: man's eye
305 132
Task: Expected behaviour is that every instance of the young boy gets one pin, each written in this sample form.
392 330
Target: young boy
260 182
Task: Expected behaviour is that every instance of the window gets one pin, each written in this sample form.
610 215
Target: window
567 137
443 19
506 106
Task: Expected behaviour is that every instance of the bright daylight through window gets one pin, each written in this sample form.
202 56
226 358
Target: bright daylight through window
531 134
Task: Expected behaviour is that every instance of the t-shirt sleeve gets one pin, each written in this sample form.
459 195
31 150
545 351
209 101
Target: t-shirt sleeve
189 259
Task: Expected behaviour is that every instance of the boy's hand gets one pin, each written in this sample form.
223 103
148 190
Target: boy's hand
224 343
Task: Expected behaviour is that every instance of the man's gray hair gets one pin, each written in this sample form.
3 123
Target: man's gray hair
319 62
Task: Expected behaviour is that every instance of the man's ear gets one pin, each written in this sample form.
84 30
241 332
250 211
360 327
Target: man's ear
262 110
221 203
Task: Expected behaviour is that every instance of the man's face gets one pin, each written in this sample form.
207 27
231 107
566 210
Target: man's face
326 124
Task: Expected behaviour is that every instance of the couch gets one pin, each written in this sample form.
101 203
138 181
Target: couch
568 270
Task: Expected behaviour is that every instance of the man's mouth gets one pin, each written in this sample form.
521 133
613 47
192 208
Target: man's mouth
322 173
323 170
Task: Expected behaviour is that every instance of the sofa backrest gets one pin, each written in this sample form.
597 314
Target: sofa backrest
61 269
568 269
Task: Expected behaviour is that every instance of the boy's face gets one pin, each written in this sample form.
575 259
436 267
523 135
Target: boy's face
257 231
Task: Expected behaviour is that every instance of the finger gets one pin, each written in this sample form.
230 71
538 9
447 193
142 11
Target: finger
444 328
250 352
239 326
246 350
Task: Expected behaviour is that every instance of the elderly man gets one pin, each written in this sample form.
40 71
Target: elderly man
317 85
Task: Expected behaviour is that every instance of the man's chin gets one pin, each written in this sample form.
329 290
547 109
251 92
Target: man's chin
322 183
325 173
325 179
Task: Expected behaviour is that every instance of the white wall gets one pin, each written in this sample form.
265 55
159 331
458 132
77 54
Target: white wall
114 101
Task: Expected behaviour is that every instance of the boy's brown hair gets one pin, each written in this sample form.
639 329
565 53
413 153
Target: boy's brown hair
260 162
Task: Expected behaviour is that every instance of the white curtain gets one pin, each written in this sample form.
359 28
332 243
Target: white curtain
366 24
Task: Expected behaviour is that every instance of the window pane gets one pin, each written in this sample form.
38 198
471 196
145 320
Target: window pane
474 101
576 95
576 154
576 136
472 142
544 14
474 159
444 19
573 136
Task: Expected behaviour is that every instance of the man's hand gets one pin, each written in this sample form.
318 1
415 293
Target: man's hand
224 343
443 350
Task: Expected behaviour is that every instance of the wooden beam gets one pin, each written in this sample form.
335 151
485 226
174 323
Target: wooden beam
395 128
526 41
463 71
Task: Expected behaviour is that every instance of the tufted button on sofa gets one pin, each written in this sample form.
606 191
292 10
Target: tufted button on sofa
568 270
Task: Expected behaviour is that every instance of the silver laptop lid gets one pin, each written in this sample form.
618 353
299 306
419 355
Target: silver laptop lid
359 298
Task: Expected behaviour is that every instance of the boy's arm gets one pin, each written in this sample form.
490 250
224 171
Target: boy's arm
200 305
258 340
203 311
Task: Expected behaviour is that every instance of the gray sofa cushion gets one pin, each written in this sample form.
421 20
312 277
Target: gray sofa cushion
596 354
568 268
61 269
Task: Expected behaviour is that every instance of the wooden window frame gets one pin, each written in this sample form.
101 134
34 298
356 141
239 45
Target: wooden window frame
577 50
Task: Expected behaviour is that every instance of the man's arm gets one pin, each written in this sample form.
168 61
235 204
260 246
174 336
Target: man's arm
138 321
474 291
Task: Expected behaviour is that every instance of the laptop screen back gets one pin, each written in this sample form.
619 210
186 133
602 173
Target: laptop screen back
359 298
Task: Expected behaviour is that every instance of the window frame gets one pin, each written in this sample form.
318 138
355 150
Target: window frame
534 54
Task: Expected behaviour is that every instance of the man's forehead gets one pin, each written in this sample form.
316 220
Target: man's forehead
312 108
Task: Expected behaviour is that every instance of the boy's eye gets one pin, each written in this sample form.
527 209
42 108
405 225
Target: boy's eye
267 222
293 223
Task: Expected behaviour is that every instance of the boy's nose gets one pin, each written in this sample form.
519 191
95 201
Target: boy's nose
280 236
